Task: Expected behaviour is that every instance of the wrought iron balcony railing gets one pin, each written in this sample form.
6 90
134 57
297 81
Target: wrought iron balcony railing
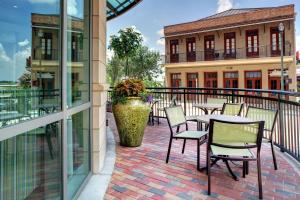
223 54
287 128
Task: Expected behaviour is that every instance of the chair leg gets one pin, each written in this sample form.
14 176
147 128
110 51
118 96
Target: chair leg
274 156
184 141
259 177
244 169
208 172
198 155
169 150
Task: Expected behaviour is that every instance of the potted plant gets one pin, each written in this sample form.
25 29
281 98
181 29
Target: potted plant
130 111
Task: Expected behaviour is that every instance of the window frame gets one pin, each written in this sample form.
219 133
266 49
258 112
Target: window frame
252 33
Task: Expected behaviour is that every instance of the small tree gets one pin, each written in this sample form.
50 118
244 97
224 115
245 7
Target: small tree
115 70
145 63
125 45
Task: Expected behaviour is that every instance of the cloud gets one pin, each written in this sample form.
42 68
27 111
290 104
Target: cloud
224 5
160 32
23 43
161 42
72 7
43 1
298 42
13 67
3 56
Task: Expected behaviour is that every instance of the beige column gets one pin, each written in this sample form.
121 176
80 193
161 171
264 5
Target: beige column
241 78
99 85
265 79
220 79
183 79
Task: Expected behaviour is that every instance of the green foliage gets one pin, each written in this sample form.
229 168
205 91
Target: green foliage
128 88
145 64
125 45
153 84
115 70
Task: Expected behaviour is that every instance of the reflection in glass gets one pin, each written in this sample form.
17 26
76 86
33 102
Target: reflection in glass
30 165
29 60
78 52
78 151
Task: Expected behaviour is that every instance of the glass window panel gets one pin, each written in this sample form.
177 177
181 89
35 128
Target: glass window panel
31 165
30 84
78 150
78 52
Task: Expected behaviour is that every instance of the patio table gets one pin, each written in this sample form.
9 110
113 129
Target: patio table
206 118
209 106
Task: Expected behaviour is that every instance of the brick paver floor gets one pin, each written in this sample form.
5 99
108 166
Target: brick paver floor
141 173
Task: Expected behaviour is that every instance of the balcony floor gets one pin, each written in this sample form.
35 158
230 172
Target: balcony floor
141 173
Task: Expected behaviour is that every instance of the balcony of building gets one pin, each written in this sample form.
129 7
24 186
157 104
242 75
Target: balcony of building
246 53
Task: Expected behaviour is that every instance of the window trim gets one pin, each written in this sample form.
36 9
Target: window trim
230 36
252 54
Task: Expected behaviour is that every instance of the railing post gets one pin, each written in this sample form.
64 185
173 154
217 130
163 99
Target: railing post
232 96
184 100
280 109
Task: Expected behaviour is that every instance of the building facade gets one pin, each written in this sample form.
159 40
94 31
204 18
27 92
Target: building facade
53 94
238 48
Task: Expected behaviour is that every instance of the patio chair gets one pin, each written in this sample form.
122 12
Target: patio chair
176 118
269 116
233 109
233 141
172 104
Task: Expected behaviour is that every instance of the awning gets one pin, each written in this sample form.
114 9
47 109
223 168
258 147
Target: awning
277 73
115 8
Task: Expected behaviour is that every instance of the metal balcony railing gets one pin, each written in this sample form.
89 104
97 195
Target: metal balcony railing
223 54
287 128
53 54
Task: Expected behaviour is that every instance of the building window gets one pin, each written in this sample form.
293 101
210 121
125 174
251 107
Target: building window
209 47
275 81
229 45
174 49
231 79
78 150
210 79
275 42
46 46
191 49
192 80
253 80
176 80
252 43
78 55
31 166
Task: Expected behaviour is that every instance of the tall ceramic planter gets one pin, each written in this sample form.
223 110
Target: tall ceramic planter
131 119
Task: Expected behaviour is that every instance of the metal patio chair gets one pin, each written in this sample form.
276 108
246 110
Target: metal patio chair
161 109
270 117
233 109
176 118
233 141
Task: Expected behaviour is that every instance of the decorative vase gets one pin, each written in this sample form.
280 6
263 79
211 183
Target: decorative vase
131 120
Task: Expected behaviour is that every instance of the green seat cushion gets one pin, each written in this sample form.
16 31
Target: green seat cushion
191 134
222 151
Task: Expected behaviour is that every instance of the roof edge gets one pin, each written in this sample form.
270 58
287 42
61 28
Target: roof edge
205 18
